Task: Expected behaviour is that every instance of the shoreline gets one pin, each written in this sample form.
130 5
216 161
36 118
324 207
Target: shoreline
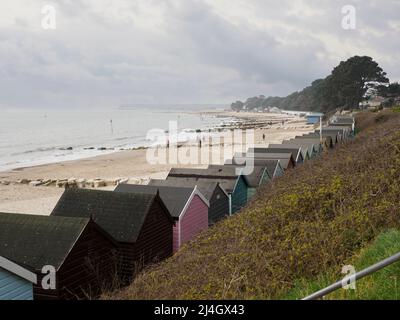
33 189
244 120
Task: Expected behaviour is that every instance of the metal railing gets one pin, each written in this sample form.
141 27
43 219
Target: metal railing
337 285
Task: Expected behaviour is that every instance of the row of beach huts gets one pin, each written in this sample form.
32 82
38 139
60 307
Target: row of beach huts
94 240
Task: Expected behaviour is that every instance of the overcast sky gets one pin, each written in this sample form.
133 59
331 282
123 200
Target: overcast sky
117 52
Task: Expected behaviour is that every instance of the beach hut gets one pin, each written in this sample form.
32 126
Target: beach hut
333 136
82 255
306 151
346 121
16 282
351 126
343 132
140 224
187 206
314 118
316 144
255 178
326 140
233 184
273 167
286 159
212 191
296 152
341 117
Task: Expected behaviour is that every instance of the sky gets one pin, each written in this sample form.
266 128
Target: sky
107 53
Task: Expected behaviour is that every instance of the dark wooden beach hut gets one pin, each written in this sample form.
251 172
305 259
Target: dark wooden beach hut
235 185
212 191
140 223
81 253
296 152
187 206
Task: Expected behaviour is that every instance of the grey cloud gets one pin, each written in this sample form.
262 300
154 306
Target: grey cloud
193 55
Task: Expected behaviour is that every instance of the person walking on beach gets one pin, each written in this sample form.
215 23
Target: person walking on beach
264 136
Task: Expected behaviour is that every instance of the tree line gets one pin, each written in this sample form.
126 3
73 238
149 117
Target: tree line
349 83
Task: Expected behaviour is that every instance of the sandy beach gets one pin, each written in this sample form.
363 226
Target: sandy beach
17 195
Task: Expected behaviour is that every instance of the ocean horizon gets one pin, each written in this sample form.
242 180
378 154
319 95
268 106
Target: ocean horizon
37 137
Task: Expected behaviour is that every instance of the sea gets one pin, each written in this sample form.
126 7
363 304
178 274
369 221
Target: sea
41 136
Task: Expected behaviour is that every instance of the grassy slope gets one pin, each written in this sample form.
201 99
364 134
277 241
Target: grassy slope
384 284
302 225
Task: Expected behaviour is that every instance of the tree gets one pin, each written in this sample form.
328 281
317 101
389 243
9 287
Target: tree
345 87
254 102
237 106
390 91
351 79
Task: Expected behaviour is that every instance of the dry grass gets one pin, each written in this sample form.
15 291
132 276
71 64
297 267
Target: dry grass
301 225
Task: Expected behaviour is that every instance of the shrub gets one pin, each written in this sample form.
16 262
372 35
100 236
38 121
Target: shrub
307 222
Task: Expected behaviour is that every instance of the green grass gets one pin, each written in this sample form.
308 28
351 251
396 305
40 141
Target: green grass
396 109
382 285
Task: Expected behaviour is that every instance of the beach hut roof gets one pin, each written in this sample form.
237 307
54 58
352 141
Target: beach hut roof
331 131
270 164
306 141
326 139
205 186
35 241
175 198
253 180
304 150
228 183
311 143
342 125
120 214
333 136
296 151
343 128
348 121
284 158
17 270
216 171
